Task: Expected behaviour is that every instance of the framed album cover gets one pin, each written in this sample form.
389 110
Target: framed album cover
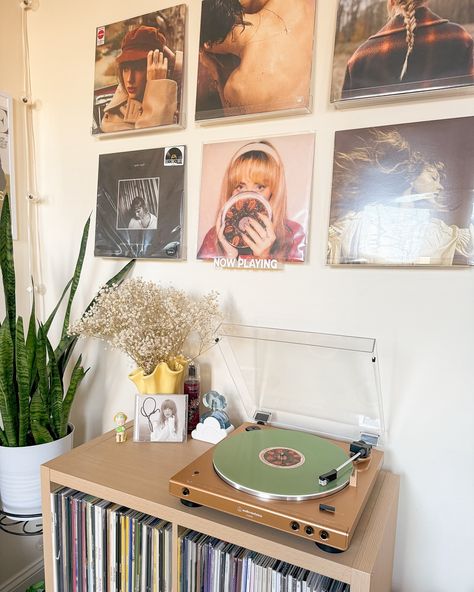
386 48
7 168
403 195
160 418
140 203
255 58
255 200
138 81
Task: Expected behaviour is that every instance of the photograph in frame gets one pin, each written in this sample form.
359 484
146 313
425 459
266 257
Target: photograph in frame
138 76
255 199
255 57
140 197
160 418
398 47
402 195
7 166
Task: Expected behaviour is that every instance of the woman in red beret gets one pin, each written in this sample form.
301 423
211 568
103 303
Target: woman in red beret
147 93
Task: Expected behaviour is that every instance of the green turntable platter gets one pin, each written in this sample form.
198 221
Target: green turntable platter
280 464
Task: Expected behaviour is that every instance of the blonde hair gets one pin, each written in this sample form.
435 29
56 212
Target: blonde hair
407 9
381 168
261 162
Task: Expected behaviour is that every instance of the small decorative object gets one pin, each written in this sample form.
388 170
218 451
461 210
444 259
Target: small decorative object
160 418
192 388
120 433
156 326
214 425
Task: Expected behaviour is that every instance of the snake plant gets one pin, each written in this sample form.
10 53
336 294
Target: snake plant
35 395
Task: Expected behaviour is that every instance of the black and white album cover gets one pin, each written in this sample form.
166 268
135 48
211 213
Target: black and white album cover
140 204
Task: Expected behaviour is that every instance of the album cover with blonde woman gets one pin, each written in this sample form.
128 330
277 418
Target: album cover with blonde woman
403 195
255 200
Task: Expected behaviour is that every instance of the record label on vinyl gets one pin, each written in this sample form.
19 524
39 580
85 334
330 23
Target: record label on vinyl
279 464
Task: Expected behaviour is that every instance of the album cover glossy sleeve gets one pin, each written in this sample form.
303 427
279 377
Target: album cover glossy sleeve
404 195
255 57
400 47
138 81
255 200
140 203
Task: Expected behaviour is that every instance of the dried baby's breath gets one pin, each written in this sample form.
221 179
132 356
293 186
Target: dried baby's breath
149 322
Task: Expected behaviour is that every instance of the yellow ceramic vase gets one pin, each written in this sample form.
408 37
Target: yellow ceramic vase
162 380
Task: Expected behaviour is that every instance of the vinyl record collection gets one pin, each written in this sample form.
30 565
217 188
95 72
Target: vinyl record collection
208 564
104 547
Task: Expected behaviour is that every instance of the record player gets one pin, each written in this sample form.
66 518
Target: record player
307 463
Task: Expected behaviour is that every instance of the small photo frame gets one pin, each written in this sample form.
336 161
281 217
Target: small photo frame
160 418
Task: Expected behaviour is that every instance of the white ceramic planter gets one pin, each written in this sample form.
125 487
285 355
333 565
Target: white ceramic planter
20 486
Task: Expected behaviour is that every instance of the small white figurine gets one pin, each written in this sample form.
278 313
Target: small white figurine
120 434
214 425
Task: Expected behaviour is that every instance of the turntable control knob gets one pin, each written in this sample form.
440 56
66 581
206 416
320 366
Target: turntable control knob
185 491
309 530
295 526
324 534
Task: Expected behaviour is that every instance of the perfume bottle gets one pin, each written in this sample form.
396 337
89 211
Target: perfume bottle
192 388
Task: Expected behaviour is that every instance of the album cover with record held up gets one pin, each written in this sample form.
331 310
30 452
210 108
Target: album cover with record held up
140 203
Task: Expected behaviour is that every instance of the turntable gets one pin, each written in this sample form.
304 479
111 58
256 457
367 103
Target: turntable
280 473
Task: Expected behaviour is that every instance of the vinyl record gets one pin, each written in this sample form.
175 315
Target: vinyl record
280 464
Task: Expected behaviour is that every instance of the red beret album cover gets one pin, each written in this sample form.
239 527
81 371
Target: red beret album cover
139 72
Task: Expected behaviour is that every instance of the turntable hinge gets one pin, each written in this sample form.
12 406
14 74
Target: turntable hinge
262 417
371 439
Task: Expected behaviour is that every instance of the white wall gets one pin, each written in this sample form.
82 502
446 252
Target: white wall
423 319
20 557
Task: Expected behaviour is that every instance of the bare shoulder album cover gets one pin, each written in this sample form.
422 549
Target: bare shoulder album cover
255 56
389 47
139 72
255 199
404 195
140 203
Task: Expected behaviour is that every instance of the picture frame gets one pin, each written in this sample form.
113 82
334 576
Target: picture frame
139 73
384 51
246 61
7 157
140 203
160 418
403 196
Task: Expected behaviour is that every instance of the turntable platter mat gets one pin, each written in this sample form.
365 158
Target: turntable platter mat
280 464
